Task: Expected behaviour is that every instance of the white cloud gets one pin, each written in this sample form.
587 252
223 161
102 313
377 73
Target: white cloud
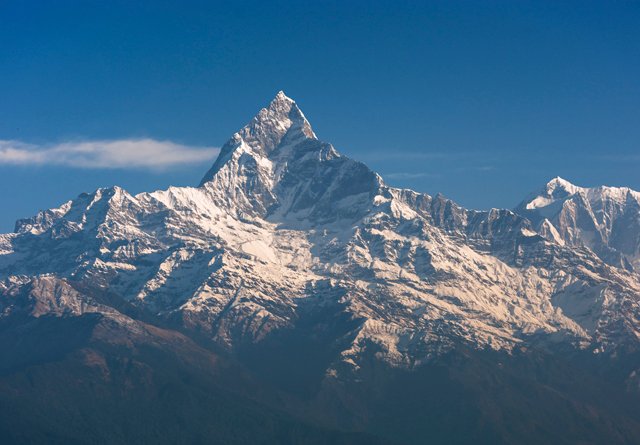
119 153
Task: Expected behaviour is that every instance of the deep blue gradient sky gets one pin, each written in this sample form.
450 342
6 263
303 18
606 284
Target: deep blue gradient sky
482 101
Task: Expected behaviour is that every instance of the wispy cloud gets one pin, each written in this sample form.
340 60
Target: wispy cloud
478 168
407 175
402 155
622 157
114 154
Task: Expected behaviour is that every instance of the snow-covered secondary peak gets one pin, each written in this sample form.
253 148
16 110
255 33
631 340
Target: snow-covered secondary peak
604 219
559 190
554 190
559 184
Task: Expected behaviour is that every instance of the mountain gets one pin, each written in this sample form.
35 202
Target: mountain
604 219
355 310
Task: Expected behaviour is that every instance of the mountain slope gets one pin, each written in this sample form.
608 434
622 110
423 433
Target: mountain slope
77 371
305 267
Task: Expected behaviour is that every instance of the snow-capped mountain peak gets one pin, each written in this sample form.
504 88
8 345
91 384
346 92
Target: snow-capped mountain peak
277 164
282 117
555 189
281 121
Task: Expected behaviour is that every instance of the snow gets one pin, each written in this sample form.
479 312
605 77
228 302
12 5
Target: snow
260 250
282 226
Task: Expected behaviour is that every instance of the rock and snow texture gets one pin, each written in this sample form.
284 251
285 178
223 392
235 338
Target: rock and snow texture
283 227
604 219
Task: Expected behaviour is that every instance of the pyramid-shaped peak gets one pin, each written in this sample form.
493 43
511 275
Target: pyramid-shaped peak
281 108
281 97
281 123
281 117
560 181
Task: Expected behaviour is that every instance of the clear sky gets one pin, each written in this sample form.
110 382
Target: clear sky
483 101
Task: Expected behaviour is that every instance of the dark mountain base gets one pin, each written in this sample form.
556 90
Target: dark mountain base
165 390
77 380
464 397
471 397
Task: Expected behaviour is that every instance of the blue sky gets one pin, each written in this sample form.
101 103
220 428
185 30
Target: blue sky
482 101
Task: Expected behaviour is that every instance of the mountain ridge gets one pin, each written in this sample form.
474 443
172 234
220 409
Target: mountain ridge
275 171
306 268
